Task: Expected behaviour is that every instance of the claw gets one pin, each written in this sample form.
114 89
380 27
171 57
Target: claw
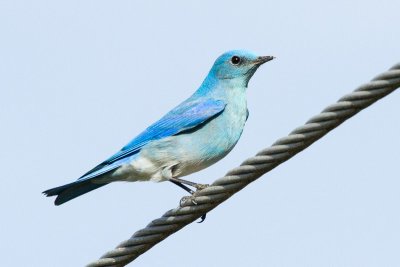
202 218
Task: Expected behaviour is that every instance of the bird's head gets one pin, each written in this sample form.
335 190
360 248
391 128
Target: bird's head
238 64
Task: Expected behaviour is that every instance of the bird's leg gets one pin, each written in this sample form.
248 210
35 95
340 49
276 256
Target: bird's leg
168 174
184 187
192 184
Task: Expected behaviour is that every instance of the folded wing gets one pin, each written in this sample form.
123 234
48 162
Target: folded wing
187 116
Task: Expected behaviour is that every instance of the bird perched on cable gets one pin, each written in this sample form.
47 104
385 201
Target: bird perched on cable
194 135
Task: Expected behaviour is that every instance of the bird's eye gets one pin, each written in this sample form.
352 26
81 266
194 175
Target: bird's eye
235 60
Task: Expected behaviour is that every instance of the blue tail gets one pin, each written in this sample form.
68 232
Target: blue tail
87 182
70 191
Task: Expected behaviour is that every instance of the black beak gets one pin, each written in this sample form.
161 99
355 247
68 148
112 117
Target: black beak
262 60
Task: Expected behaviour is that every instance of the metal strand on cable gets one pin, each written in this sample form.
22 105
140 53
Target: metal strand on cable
251 169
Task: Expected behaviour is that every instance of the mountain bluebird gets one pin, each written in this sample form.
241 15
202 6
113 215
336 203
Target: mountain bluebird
194 135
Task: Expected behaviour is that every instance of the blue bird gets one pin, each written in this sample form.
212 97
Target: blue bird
194 135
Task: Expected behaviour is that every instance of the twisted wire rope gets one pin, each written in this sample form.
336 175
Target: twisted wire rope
251 169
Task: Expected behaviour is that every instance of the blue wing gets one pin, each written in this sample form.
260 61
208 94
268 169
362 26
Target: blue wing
186 116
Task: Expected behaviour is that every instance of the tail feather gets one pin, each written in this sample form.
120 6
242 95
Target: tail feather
70 191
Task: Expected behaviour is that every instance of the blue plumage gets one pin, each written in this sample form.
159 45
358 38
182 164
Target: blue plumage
184 117
192 136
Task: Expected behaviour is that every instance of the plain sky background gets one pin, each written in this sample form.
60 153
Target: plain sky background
79 79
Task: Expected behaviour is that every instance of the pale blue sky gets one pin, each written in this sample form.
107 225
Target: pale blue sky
79 79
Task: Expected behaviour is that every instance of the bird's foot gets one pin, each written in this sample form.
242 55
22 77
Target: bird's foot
192 199
187 198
